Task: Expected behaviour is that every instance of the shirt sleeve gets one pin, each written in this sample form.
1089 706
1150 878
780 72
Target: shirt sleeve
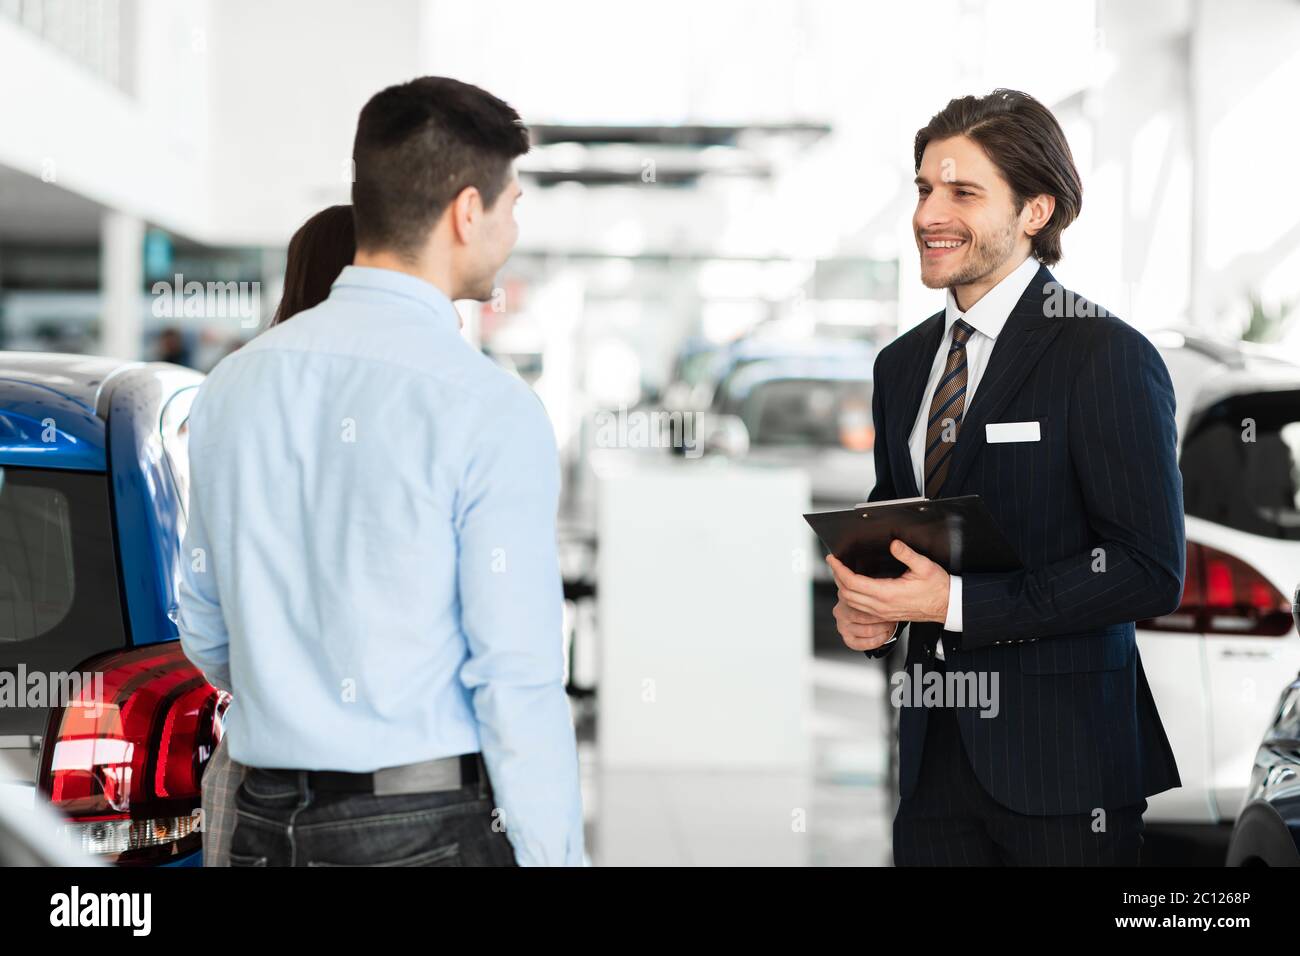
204 637
953 621
511 607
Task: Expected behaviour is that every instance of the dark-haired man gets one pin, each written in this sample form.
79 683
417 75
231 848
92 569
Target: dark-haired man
372 534
1061 417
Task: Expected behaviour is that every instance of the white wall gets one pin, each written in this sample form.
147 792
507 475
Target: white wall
289 79
240 117
1184 139
144 153
1248 76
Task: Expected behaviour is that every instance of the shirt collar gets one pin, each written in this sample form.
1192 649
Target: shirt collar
990 313
370 279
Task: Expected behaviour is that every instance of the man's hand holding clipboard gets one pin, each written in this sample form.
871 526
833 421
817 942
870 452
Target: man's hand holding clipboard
870 609
891 560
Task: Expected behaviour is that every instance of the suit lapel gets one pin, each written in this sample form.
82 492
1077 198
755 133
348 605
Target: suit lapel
1024 338
912 391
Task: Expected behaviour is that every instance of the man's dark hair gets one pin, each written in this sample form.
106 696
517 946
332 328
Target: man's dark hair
418 145
1025 142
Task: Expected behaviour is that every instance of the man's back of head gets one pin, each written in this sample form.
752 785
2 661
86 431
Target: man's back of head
433 188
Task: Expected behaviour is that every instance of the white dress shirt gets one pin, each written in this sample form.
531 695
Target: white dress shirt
986 317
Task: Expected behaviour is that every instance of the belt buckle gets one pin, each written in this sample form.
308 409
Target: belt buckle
430 776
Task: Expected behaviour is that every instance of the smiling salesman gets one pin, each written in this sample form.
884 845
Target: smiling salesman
1062 418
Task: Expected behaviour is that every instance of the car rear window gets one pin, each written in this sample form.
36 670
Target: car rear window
37 576
59 597
826 413
1241 464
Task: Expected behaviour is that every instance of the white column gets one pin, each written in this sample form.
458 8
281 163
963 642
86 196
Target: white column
1201 70
121 284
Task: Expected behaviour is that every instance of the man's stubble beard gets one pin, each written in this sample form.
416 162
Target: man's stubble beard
481 291
987 255
480 288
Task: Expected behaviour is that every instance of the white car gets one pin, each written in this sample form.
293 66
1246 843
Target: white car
1217 664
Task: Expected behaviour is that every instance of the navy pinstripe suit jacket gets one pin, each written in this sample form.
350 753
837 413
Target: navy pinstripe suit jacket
1077 728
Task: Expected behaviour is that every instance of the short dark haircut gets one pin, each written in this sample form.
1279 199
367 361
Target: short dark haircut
318 251
418 145
1025 142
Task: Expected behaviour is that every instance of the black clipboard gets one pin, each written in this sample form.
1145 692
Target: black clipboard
958 534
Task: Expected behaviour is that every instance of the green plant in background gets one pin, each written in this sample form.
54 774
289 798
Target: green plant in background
1266 325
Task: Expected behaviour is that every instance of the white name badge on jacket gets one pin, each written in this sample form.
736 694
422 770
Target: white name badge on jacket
998 432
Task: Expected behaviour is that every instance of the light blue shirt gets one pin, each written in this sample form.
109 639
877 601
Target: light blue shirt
372 555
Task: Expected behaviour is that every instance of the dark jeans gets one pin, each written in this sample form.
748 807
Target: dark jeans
950 820
282 821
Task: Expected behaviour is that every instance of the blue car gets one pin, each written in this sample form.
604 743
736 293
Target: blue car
100 713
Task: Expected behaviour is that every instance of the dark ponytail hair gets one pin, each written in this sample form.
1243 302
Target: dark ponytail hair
318 251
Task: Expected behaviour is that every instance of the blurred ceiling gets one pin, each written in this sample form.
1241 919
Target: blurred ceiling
44 212
613 155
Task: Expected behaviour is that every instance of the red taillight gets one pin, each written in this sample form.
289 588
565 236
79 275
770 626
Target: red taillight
1224 595
1218 584
124 761
1240 600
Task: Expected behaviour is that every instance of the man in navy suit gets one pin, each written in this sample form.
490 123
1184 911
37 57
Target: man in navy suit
1061 417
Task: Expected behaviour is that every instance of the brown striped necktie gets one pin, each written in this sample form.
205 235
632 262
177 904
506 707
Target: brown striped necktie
946 409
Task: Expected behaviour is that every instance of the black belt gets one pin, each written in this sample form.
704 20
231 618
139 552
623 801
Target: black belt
446 773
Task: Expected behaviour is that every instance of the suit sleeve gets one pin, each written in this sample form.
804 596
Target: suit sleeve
1123 441
884 487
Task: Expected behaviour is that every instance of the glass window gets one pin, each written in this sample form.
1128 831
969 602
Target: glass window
59 597
1241 464
37 579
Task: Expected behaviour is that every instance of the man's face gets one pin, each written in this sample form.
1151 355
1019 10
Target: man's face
966 222
493 242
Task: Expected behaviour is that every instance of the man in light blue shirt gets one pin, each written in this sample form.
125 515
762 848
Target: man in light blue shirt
373 566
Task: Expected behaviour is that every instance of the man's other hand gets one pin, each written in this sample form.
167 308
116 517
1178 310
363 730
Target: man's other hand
921 594
862 631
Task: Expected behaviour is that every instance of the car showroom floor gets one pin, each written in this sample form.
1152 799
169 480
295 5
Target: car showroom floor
836 814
